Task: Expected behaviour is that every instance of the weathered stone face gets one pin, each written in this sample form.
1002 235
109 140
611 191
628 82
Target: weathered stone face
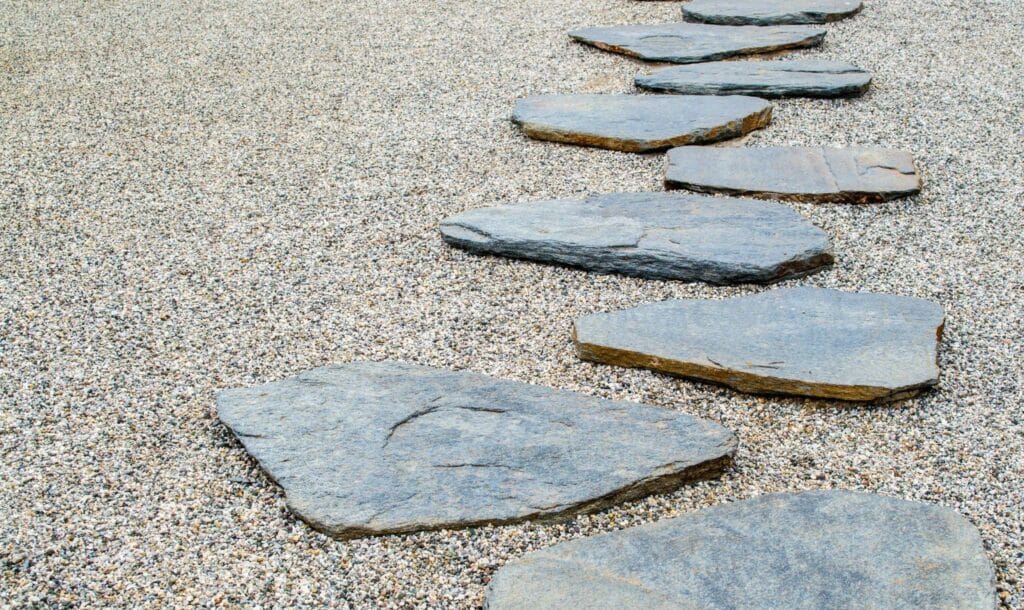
375 448
639 123
840 175
684 43
791 78
824 549
801 341
652 235
769 12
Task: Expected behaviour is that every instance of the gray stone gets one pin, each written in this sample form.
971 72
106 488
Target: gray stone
818 549
801 341
639 123
385 447
769 12
652 235
793 78
840 175
685 43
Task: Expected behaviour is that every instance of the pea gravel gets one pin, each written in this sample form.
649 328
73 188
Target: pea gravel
197 195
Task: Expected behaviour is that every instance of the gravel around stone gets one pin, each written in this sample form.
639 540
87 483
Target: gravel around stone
204 195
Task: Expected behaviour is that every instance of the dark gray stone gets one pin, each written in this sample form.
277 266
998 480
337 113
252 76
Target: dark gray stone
652 235
819 549
769 12
793 78
685 43
385 447
840 175
639 123
800 341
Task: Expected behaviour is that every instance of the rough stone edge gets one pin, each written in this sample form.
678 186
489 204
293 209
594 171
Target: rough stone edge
812 18
811 41
847 91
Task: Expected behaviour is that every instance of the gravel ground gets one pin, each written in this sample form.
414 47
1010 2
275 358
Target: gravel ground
197 195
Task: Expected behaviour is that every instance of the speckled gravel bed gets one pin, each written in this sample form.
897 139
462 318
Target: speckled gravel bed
196 195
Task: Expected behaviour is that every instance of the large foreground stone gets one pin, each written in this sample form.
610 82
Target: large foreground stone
842 175
826 549
769 12
793 78
653 235
375 448
684 43
639 123
801 341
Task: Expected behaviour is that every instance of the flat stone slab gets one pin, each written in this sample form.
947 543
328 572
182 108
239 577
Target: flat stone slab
769 12
800 341
387 447
820 549
791 78
651 235
685 43
639 123
839 175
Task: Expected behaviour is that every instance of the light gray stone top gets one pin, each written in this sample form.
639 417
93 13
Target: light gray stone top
652 235
788 78
822 549
769 12
685 43
386 447
639 123
803 341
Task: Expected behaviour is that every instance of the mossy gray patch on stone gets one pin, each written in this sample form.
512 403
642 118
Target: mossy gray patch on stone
788 78
653 235
819 549
769 12
387 447
800 341
685 43
639 123
840 175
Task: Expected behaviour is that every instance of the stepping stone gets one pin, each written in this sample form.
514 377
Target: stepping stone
800 341
385 447
793 78
685 43
651 235
840 175
639 123
818 549
769 12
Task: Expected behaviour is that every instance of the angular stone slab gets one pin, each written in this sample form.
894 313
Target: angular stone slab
685 43
839 175
651 235
801 341
792 78
377 448
819 549
769 12
639 123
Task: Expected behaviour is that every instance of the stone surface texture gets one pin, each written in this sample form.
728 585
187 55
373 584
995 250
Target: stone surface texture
812 174
786 78
801 341
639 123
685 43
387 447
769 12
824 549
652 235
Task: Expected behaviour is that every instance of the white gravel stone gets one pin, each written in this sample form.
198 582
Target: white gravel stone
201 195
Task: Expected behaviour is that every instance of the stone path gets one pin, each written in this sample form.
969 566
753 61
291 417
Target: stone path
639 123
685 43
801 341
791 78
769 12
375 448
827 549
794 173
652 235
